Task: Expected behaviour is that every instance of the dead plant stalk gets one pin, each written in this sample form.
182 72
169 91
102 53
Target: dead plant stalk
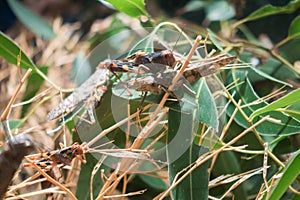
141 137
203 158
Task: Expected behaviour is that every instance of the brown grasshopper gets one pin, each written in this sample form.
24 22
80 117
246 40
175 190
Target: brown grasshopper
94 88
60 157
159 84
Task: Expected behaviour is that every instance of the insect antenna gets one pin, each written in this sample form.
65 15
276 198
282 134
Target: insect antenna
104 144
180 34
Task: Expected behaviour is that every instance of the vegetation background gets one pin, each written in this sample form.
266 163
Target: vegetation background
52 36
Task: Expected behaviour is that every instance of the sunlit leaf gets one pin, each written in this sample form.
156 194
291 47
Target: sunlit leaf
207 112
289 174
287 100
181 152
133 8
34 22
292 110
11 124
272 10
294 30
284 125
34 83
219 10
153 182
222 167
194 5
10 51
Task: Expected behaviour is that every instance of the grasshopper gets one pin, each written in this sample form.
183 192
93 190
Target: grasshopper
61 157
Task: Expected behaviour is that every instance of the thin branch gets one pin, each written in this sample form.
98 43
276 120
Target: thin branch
50 179
208 156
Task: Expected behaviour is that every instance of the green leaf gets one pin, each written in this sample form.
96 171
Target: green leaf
11 124
289 99
265 75
219 10
203 103
145 45
223 167
194 5
272 10
289 174
285 125
34 83
293 111
294 30
153 182
83 186
214 39
133 8
181 152
31 20
207 112
10 51
86 170
272 70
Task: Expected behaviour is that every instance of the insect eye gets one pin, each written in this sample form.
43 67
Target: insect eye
78 151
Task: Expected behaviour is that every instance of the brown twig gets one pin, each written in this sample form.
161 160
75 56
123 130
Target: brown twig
7 110
108 130
126 195
223 133
260 140
141 137
150 124
13 99
50 179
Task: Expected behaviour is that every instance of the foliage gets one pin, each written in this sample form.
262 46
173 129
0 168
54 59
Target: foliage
249 106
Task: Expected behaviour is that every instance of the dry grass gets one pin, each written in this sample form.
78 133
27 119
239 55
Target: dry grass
59 55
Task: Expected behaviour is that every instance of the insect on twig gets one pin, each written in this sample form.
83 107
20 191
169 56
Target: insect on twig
93 88
141 62
194 71
60 157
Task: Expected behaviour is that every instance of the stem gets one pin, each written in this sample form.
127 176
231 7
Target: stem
203 159
141 137
261 141
50 179
108 130
39 72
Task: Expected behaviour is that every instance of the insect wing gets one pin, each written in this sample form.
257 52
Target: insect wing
63 156
99 77
195 71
